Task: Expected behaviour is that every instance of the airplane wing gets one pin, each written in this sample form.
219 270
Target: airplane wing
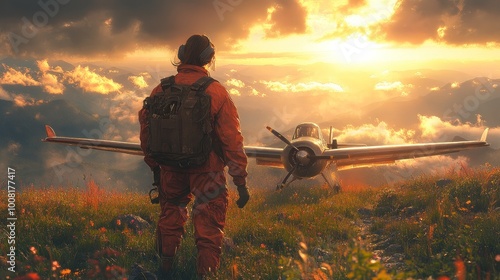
96 144
346 158
265 155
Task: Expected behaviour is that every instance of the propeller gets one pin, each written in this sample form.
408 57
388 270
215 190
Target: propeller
281 137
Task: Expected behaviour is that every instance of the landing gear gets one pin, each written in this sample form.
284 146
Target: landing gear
283 184
332 184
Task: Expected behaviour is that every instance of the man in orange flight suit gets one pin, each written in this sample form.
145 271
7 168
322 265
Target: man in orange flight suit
207 182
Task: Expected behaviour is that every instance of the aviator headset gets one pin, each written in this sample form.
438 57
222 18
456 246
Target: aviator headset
205 55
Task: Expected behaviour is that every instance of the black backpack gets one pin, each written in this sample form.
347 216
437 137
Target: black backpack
180 129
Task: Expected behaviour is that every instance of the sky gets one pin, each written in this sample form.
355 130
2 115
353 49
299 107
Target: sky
346 32
277 58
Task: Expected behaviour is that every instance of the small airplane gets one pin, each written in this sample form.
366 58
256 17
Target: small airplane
306 155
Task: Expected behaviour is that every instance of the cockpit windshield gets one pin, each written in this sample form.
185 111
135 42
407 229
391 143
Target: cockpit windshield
306 131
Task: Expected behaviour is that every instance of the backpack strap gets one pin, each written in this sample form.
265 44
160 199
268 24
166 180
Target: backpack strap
167 82
202 83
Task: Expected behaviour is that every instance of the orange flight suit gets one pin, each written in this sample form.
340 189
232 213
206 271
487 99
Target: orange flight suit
207 182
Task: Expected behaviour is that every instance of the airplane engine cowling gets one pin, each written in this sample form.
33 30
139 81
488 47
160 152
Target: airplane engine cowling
305 166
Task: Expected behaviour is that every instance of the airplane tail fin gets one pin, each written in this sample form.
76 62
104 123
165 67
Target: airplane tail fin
50 131
485 134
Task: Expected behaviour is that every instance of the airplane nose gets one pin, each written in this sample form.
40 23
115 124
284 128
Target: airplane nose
303 157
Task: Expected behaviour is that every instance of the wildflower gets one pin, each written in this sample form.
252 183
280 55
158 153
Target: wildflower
102 230
55 265
91 223
460 269
263 246
234 271
29 276
118 222
33 250
112 272
65 271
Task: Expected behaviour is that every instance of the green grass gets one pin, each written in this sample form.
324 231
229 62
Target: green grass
444 230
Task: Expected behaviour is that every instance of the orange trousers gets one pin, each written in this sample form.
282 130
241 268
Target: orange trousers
208 214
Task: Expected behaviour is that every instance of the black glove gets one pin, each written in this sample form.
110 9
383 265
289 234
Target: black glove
156 183
156 176
244 196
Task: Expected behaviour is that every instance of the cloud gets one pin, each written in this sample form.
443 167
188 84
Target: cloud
393 86
301 87
110 28
123 113
454 22
22 101
282 18
15 77
235 83
435 129
234 92
5 95
389 86
43 65
370 134
48 81
255 92
438 165
90 81
138 81
51 84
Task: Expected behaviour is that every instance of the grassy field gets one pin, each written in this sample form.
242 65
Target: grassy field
447 229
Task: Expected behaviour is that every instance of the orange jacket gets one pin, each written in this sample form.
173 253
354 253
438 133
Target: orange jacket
226 125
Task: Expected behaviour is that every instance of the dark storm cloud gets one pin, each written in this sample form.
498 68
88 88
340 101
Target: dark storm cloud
450 21
112 27
287 18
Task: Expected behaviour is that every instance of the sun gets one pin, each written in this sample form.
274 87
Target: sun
355 49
